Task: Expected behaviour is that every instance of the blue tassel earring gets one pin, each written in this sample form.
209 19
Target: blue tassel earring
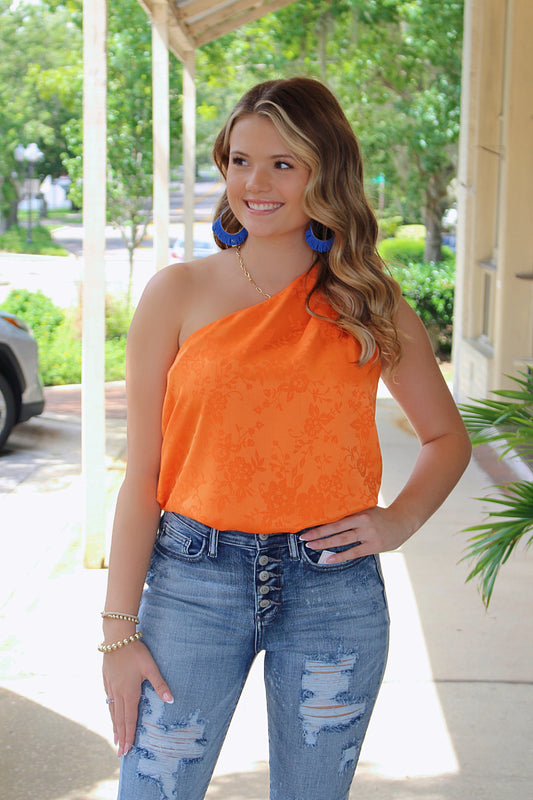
229 239
320 245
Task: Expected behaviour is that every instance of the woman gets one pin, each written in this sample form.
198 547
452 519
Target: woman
251 385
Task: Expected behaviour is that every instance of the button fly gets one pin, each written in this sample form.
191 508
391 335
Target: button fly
267 581
263 537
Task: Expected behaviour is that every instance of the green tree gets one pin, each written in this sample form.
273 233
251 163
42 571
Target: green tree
129 129
402 86
396 67
129 126
40 80
278 45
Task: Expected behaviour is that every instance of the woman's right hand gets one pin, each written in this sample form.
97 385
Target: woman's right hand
124 671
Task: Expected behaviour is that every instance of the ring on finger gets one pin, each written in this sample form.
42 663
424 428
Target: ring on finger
109 700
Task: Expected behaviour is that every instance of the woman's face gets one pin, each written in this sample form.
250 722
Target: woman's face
265 182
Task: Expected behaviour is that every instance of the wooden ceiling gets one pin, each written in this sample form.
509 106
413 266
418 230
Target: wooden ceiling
193 23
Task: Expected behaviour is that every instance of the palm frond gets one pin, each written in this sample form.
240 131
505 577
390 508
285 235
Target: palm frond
507 422
495 539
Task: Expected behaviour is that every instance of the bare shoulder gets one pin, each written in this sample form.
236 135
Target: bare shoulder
417 359
177 295
168 301
154 332
169 288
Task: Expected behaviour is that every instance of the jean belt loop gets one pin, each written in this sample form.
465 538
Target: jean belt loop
293 546
213 543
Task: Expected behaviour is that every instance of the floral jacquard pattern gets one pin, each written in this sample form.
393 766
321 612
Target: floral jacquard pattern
268 421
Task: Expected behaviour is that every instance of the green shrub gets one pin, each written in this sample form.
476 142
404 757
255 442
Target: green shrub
118 316
60 362
389 225
58 336
429 288
115 359
59 347
14 240
401 251
37 310
412 231
406 251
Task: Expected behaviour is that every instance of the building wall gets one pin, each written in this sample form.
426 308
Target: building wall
493 330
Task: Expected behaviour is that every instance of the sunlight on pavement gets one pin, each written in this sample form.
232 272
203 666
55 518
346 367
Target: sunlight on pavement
247 740
408 735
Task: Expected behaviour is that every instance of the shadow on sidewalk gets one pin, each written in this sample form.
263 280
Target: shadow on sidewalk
46 755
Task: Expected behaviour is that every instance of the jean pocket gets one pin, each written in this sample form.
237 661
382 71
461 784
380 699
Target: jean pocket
315 558
177 539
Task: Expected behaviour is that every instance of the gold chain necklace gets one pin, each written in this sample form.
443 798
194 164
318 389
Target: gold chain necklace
254 284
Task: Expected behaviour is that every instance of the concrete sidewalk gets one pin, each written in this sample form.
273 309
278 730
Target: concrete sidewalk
454 720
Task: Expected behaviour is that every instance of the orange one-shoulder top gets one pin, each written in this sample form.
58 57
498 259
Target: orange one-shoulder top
268 422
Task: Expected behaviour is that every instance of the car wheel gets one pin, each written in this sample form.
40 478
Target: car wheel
8 410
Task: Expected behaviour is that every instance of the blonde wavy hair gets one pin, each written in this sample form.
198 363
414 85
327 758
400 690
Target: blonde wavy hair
351 276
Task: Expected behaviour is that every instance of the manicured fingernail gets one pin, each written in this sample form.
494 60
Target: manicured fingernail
167 697
120 752
127 748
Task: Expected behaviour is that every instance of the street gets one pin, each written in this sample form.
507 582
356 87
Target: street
60 278
206 195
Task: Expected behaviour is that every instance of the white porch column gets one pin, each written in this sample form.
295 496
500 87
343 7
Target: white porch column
189 145
493 322
161 135
94 219
513 301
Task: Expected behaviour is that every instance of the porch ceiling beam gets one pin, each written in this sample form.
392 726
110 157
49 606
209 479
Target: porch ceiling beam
199 7
201 23
179 42
216 31
192 24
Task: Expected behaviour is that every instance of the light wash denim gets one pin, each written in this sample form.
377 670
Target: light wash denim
213 600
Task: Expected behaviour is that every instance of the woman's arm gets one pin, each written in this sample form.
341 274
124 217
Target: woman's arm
152 347
420 390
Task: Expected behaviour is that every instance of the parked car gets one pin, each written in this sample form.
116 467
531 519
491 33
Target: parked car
200 249
21 388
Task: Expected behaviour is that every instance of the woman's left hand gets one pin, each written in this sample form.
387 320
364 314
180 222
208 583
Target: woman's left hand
375 530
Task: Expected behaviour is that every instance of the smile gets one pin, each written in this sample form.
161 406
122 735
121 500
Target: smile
256 205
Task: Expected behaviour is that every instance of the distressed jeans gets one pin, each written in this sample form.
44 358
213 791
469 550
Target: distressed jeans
213 600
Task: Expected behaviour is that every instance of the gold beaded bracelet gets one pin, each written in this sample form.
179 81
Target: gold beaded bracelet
110 648
120 615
